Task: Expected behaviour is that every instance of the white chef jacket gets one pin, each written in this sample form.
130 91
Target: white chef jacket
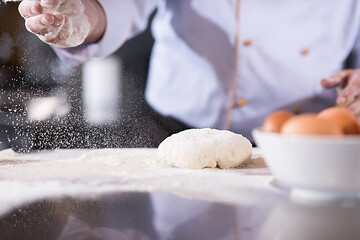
285 48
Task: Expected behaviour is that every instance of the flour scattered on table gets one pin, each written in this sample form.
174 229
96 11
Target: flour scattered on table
76 172
8 154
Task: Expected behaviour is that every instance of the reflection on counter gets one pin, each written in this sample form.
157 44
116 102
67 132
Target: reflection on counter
316 221
69 218
166 216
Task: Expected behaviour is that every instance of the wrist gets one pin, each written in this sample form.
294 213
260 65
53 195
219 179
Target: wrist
97 19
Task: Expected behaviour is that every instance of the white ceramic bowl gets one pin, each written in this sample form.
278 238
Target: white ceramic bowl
312 163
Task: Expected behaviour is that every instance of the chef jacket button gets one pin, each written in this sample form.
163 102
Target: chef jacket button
248 43
305 51
297 111
242 102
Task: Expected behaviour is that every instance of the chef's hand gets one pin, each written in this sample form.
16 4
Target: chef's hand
349 81
64 23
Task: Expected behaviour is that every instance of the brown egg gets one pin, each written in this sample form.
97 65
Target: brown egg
310 124
274 121
341 117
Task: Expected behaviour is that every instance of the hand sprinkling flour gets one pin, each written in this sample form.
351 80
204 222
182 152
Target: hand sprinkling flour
64 23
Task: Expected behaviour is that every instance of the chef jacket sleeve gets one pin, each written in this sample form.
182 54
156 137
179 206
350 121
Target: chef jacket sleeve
125 18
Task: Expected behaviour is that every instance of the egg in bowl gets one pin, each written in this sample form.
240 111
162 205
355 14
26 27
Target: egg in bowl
312 158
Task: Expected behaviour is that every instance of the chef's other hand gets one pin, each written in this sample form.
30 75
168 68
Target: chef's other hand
64 23
349 81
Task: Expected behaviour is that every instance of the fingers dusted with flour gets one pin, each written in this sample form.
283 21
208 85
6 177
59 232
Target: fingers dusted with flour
29 9
349 81
64 23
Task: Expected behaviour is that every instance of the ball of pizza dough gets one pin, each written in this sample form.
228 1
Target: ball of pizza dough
204 148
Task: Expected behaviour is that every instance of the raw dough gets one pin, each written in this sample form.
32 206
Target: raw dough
204 148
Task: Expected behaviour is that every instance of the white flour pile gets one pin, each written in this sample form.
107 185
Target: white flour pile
78 173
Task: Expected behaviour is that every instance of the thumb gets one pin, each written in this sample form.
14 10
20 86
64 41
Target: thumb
336 79
327 83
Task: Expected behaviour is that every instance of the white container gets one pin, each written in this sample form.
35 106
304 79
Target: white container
102 90
313 166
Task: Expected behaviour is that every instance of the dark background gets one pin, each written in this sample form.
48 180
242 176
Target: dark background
29 68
